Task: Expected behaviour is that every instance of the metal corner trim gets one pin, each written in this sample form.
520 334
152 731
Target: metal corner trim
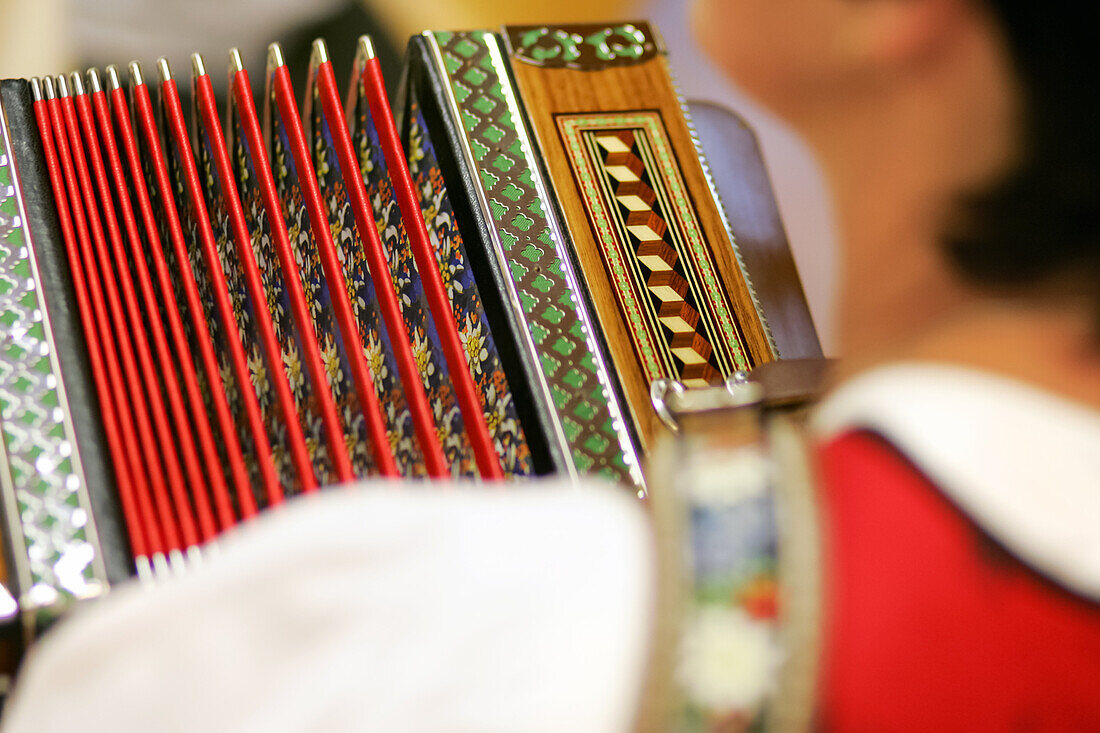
705 164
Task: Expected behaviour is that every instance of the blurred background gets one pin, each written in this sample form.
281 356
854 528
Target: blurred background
50 36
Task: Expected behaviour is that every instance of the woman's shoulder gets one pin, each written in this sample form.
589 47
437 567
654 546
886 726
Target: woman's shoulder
958 518
1022 462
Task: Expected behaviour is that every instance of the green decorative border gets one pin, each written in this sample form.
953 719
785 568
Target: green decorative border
50 525
651 129
530 247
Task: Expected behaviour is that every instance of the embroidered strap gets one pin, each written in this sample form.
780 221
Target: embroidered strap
736 639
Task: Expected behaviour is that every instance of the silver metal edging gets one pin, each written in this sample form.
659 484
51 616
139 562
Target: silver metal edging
630 455
99 570
498 253
16 536
14 529
698 145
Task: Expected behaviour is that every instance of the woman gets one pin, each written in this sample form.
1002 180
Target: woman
959 453
960 449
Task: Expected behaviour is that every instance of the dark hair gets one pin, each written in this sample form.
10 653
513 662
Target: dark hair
1041 222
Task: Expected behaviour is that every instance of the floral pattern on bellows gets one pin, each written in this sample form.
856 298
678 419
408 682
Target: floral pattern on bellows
243 312
209 316
469 312
404 277
316 289
278 304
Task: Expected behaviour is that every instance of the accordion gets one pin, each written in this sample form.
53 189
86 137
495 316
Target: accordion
206 311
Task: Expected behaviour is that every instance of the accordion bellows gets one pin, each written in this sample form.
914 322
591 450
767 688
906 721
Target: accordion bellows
209 310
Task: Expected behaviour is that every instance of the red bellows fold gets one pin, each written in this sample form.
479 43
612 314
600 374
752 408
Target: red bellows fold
222 413
97 333
148 371
143 108
250 126
423 422
176 402
253 415
337 286
144 539
178 530
296 442
440 305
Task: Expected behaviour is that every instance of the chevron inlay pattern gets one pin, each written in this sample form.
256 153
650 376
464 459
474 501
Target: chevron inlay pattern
660 267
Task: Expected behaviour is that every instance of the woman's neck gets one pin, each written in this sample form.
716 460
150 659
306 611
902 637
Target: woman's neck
900 149
894 280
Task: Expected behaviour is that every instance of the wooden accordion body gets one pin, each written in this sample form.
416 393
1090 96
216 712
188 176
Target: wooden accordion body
576 234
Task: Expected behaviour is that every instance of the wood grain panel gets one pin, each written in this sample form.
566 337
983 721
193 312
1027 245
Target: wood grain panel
548 93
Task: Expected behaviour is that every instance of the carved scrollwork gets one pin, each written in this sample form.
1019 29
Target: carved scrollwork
583 47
